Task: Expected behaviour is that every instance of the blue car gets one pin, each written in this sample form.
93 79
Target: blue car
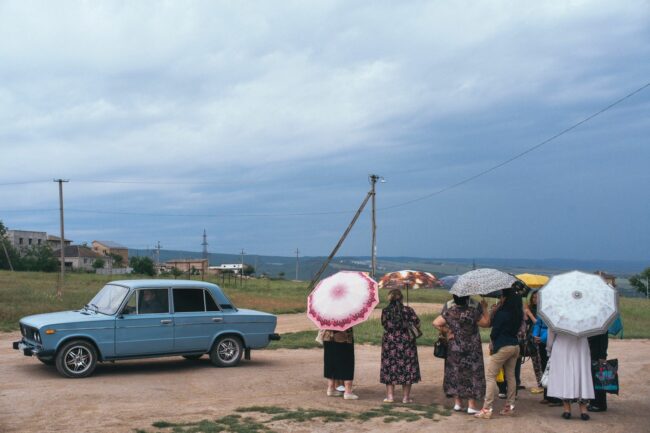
146 319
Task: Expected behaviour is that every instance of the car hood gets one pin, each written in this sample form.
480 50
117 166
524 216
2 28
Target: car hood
63 317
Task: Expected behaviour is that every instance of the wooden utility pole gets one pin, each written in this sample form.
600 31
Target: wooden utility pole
241 272
59 290
297 263
373 181
4 247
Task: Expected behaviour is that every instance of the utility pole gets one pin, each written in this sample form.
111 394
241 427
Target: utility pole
205 245
373 181
338 245
59 291
158 246
4 247
297 263
241 272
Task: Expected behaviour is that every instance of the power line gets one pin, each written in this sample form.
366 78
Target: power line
521 154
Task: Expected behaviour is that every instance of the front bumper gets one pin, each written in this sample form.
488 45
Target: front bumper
274 337
30 349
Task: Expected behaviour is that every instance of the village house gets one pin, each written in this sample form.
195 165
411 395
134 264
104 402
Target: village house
107 248
22 240
81 258
186 265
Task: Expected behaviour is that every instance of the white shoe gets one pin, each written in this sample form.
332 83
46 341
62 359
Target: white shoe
472 411
340 388
458 408
350 396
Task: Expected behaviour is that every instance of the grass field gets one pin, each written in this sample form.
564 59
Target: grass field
25 293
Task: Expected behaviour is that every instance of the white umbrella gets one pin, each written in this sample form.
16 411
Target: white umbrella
341 301
577 303
481 282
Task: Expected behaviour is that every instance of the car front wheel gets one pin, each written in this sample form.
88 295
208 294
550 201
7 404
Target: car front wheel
227 351
76 359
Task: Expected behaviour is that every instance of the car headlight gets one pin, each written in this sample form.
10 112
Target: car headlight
37 336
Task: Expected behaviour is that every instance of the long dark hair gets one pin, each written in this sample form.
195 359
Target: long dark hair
461 301
513 305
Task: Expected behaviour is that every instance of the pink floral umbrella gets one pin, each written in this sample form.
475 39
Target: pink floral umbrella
343 300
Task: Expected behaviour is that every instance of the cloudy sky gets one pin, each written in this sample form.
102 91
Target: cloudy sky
260 122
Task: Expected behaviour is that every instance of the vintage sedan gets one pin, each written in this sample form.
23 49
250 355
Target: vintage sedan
145 319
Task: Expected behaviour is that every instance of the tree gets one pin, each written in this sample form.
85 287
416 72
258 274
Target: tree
39 258
118 260
640 281
143 265
281 275
176 272
6 249
98 264
248 270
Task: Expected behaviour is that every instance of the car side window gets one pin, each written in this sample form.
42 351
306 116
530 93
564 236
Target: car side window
210 305
152 301
188 300
131 307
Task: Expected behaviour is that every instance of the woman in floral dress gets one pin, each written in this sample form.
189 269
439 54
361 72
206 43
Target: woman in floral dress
464 370
399 353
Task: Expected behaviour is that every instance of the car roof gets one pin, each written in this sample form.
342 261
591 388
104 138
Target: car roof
151 283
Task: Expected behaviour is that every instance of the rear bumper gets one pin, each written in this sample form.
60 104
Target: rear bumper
29 349
274 337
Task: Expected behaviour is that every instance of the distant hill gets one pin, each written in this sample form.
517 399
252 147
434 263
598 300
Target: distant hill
274 265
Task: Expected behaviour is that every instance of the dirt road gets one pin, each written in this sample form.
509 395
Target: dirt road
128 395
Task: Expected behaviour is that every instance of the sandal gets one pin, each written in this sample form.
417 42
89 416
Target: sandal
507 411
484 414
407 400
388 400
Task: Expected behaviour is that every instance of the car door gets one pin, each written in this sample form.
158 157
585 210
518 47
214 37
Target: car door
196 319
145 326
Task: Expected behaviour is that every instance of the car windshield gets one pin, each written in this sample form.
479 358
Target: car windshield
109 299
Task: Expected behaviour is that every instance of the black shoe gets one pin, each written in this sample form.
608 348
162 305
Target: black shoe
595 409
566 415
584 416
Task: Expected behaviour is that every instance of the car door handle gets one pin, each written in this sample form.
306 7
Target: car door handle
166 321
217 319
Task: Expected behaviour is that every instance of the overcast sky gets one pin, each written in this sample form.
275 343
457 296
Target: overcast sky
260 122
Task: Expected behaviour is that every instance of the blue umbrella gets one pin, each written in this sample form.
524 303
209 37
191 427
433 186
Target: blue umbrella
448 281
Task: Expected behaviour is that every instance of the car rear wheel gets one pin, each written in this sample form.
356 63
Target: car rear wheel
227 351
192 357
76 359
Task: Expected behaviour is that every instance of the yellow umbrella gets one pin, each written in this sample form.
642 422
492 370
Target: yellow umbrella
533 281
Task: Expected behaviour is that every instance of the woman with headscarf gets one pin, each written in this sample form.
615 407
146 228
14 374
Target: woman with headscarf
464 372
399 353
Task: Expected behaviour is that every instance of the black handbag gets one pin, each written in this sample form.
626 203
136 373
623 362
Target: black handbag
605 376
440 348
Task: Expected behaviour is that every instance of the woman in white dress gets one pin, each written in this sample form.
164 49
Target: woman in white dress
570 372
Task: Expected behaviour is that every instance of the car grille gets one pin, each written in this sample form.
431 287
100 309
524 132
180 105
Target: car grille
28 332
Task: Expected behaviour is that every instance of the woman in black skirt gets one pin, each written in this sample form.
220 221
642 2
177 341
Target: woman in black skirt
339 362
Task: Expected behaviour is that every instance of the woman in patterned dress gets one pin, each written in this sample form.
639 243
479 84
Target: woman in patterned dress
399 353
464 370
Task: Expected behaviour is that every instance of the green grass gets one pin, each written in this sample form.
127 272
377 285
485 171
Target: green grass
25 293
265 416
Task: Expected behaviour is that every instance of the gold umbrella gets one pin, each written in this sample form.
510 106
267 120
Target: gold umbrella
533 281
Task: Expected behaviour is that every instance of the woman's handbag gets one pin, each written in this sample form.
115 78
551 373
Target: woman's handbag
440 348
605 376
544 381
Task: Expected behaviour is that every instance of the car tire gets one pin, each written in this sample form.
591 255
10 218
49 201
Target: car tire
192 357
227 351
76 359
47 361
